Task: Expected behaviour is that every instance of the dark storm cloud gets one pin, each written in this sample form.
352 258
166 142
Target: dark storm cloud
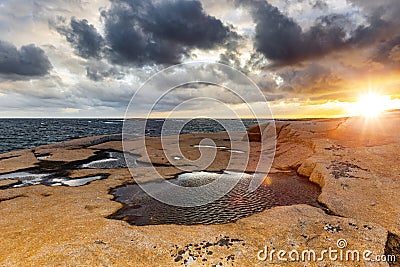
82 36
329 58
147 32
284 42
383 31
29 60
160 31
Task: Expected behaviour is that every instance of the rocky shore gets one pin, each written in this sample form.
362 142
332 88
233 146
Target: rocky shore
60 214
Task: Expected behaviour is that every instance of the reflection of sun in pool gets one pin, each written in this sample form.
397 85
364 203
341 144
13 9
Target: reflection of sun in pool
370 105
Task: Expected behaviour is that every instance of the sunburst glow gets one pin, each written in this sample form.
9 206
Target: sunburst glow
370 105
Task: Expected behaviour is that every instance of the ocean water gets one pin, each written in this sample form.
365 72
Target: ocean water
16 134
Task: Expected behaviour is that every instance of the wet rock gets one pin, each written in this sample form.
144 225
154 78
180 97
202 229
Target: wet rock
63 225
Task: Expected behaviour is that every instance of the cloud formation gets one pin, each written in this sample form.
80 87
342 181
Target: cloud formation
283 41
160 32
99 71
29 60
82 36
147 32
305 51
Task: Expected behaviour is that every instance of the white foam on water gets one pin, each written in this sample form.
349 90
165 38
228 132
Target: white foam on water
114 122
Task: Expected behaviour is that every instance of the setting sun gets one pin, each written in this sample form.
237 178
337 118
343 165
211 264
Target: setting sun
370 105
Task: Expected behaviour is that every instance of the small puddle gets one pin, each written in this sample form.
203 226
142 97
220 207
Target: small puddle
48 179
23 176
111 160
56 173
101 163
77 181
282 189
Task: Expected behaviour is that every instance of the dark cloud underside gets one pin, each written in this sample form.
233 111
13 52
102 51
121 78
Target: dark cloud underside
147 32
83 37
284 42
29 60
160 31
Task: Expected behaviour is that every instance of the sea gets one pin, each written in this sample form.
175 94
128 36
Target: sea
17 134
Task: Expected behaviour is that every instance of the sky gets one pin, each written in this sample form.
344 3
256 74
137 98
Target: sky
309 58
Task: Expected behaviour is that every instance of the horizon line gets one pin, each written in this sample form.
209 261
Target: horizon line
183 118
